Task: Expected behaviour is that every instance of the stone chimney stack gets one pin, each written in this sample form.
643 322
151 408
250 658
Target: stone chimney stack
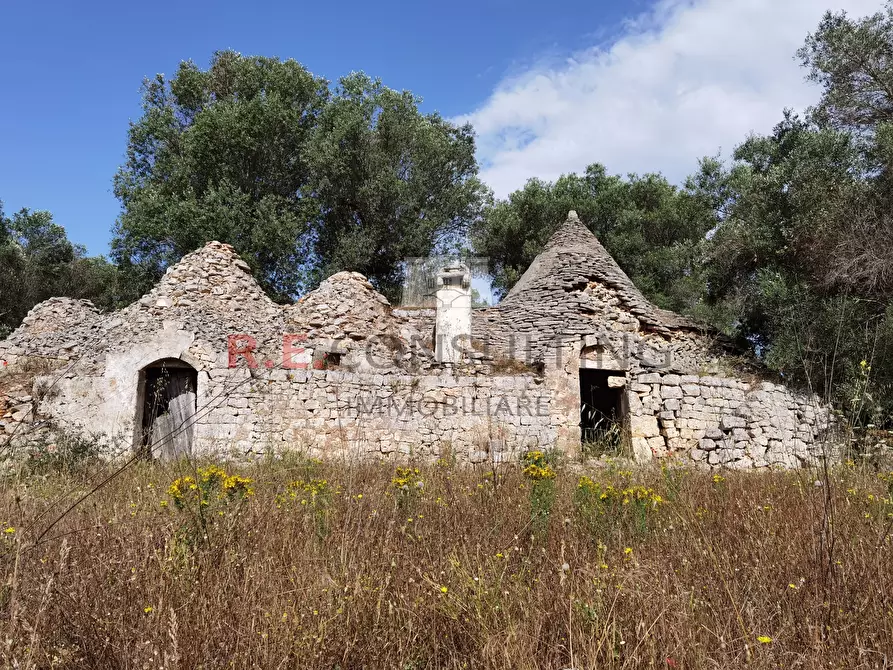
453 320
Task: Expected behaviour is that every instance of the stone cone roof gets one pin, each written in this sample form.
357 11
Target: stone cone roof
344 305
210 292
574 258
211 275
56 327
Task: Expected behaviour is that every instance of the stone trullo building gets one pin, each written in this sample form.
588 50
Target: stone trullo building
205 363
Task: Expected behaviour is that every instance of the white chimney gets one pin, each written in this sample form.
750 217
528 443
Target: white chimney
453 322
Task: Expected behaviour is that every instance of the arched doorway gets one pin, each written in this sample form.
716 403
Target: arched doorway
166 408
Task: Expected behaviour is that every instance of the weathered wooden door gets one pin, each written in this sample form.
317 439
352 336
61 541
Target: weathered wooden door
169 397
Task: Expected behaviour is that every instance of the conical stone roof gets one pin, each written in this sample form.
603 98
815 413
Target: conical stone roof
572 260
344 305
213 275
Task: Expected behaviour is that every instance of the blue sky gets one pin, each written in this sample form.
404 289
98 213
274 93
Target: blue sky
70 73
640 86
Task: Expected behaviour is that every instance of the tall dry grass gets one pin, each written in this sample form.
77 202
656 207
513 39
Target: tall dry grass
769 570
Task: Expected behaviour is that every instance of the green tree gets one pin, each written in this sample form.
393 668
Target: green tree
390 182
653 229
220 154
778 260
798 261
37 261
851 59
301 180
7 274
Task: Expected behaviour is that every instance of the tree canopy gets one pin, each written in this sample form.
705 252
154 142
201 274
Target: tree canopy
783 246
799 257
37 261
301 179
852 60
653 229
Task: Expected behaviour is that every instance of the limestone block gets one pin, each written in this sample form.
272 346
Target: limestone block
728 422
635 403
641 450
670 380
726 456
657 444
743 463
706 444
670 392
691 389
643 426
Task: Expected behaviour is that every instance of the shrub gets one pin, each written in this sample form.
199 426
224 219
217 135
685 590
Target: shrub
68 454
603 506
408 485
541 475
207 496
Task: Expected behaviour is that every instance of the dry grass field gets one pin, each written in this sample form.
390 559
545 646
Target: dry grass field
293 563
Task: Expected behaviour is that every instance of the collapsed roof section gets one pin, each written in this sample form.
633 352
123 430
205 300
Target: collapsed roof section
211 293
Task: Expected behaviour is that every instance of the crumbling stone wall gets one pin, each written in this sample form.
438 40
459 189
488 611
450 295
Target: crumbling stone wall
721 421
353 375
341 371
689 392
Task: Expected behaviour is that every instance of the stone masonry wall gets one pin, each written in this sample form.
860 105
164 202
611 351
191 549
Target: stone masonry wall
380 391
728 422
248 412
351 414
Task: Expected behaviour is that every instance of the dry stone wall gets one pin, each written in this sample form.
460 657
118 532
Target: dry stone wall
342 372
689 393
355 414
728 422
354 375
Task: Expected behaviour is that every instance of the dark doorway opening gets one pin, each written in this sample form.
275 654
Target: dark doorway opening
166 408
601 411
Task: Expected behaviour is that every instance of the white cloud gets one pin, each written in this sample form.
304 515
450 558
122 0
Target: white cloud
685 80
